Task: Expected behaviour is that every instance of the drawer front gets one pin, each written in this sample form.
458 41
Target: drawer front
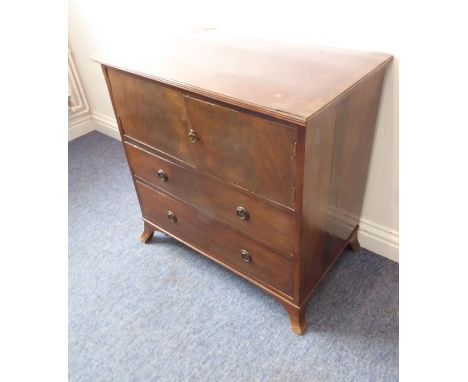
257 219
243 149
218 240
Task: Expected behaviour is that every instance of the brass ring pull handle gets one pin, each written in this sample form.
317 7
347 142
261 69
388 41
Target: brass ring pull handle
171 216
242 213
193 136
245 256
162 176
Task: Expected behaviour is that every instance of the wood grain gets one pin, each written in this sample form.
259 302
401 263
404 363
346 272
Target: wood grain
354 136
246 150
319 143
289 82
338 146
272 226
205 233
286 134
151 113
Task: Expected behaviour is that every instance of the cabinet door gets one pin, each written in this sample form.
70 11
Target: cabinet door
151 113
246 150
241 148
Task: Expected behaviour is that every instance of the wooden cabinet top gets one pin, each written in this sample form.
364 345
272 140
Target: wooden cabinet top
288 82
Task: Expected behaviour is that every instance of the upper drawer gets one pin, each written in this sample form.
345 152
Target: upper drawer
271 225
243 149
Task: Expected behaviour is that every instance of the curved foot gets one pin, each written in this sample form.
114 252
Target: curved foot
297 318
353 240
147 234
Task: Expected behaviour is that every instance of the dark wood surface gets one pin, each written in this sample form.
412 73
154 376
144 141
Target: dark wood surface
246 150
290 82
152 113
273 227
354 135
319 142
285 133
339 143
221 241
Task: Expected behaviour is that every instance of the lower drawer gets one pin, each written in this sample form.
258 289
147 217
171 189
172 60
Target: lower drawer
216 239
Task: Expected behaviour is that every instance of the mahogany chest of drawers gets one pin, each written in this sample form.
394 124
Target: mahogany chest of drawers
252 154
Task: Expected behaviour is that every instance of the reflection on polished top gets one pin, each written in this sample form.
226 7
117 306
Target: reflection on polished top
290 82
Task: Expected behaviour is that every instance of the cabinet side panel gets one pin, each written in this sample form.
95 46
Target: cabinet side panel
338 148
319 143
354 135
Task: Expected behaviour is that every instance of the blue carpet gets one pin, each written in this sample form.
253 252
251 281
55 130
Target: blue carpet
160 312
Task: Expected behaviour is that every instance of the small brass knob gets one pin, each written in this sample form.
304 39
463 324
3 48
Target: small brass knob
162 176
242 213
193 136
171 216
245 256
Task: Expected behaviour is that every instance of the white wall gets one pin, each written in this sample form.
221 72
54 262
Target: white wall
107 25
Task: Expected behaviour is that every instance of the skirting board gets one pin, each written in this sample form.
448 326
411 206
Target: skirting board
106 125
80 126
379 239
372 236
